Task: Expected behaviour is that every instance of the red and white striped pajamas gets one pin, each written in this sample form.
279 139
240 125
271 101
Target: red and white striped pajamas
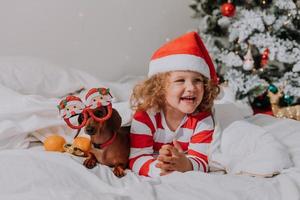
149 132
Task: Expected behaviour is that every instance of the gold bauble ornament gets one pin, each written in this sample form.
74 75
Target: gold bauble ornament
292 112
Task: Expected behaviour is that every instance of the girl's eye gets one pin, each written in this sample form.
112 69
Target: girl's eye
179 80
199 80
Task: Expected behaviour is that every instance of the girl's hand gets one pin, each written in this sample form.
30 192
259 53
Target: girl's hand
164 154
172 158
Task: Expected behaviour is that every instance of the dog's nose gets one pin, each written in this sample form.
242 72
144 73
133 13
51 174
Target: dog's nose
90 130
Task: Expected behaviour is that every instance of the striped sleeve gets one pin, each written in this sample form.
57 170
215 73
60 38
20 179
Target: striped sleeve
199 143
141 158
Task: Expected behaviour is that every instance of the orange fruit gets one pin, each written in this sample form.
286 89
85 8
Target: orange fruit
82 143
54 143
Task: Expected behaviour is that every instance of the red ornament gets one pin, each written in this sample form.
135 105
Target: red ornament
228 9
265 57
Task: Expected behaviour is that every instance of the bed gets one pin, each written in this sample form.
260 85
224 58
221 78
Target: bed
28 114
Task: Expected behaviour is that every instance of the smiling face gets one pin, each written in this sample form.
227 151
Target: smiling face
184 91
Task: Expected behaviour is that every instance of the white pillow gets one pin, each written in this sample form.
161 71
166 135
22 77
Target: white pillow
249 149
226 111
30 75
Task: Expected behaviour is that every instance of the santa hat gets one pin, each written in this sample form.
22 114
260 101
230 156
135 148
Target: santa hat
70 100
186 52
94 92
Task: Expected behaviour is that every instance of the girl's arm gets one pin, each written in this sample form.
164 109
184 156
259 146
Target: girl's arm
199 144
141 158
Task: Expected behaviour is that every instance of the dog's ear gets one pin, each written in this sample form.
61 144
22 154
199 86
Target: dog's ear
115 121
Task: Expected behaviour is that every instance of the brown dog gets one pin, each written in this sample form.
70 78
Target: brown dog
110 142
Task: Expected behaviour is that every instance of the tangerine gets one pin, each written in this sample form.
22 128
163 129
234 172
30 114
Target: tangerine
82 143
54 143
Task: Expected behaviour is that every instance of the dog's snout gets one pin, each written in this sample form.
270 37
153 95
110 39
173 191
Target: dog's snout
90 130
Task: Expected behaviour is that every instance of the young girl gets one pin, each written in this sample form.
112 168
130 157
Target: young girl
172 126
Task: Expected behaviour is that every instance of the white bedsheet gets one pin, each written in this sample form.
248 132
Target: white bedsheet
33 174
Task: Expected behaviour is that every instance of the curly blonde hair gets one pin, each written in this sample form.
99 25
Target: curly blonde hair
150 94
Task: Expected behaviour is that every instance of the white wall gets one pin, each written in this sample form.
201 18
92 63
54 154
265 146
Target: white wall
108 38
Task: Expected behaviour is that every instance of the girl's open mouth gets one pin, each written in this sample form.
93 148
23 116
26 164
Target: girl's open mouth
190 99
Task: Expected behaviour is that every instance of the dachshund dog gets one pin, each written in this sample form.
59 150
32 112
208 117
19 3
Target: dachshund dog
110 142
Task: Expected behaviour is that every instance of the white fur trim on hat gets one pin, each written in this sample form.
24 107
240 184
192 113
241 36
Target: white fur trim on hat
75 103
93 95
179 62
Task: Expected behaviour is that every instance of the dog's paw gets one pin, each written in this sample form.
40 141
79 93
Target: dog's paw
119 171
90 163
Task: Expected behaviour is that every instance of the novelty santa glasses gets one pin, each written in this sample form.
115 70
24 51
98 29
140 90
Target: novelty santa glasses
97 105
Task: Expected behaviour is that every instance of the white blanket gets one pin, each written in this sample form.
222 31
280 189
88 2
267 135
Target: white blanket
30 174
249 149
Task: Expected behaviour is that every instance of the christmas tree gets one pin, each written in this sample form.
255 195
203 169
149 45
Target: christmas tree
255 45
